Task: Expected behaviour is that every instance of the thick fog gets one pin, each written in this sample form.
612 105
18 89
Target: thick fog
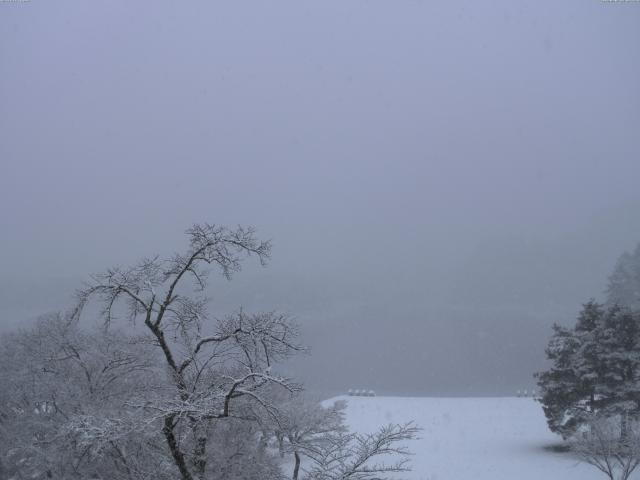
441 180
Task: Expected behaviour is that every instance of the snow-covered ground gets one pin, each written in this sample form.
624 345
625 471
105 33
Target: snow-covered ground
473 438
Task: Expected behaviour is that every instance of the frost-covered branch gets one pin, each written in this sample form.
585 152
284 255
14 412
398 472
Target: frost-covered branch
364 457
601 445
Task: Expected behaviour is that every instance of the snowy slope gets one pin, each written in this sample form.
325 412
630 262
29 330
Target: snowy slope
473 438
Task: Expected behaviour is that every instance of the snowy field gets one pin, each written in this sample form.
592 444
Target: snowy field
473 438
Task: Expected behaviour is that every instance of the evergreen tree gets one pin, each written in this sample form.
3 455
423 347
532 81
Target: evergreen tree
624 283
595 369
620 364
560 394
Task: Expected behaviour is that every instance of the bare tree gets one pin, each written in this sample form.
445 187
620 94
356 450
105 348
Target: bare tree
62 403
306 428
350 456
601 446
218 369
192 397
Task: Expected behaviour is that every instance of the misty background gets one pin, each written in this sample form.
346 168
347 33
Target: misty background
441 180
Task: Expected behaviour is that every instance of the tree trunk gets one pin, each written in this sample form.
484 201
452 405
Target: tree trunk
280 444
178 456
296 468
624 427
200 457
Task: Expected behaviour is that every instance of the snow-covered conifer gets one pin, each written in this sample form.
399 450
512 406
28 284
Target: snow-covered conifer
624 283
595 366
